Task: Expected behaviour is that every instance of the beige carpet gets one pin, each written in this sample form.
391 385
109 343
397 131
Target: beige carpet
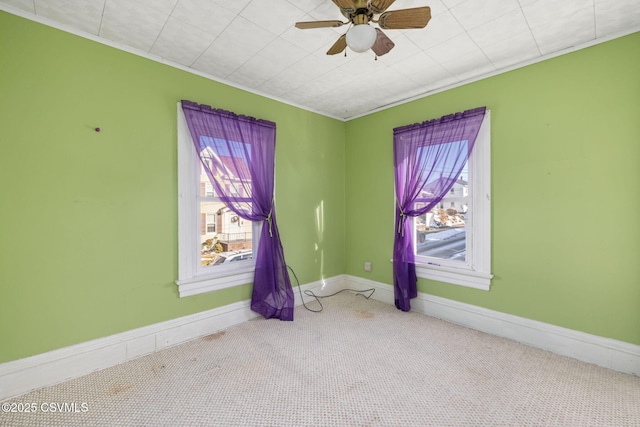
358 363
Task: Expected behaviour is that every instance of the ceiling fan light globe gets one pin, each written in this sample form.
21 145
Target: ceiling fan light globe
361 38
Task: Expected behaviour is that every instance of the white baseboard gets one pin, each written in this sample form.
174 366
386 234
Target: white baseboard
53 367
24 375
606 352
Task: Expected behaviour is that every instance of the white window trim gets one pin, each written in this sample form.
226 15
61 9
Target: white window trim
476 271
191 279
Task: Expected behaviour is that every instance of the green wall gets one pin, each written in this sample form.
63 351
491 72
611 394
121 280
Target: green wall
88 221
565 198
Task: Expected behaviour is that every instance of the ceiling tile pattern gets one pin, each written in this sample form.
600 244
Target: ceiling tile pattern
253 44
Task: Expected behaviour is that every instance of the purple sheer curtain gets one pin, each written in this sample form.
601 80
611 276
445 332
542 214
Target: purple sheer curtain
238 155
428 159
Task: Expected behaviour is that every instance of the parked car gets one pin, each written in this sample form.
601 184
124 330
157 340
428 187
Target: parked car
232 256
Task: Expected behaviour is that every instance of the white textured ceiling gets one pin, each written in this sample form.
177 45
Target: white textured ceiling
253 44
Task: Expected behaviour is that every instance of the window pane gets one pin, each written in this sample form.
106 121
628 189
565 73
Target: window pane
228 161
224 236
442 233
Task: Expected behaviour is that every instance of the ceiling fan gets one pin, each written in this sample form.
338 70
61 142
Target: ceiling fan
361 36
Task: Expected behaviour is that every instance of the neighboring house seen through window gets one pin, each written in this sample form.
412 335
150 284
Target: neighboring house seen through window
224 233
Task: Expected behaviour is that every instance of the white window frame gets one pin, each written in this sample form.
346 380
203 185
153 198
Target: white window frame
475 271
192 278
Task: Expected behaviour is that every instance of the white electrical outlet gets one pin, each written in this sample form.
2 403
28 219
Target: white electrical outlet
367 266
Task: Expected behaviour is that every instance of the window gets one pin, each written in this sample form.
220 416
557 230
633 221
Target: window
210 223
223 233
214 244
453 240
208 188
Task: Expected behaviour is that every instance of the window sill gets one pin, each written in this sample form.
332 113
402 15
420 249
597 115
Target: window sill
455 276
209 283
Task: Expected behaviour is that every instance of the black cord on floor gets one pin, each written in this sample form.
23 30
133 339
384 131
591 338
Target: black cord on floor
311 294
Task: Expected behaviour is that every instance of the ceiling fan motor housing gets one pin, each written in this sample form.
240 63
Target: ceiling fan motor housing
362 16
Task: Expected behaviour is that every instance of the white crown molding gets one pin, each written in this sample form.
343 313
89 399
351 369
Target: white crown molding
484 76
120 46
51 23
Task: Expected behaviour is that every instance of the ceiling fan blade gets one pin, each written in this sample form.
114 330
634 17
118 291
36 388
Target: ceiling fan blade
417 17
319 24
338 46
345 5
383 44
379 6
